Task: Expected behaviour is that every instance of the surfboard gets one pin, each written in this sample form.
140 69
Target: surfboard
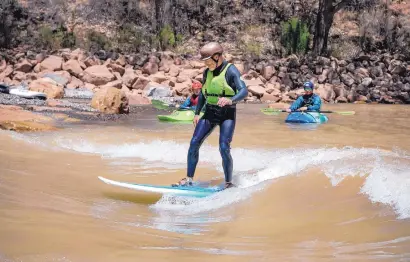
27 94
190 191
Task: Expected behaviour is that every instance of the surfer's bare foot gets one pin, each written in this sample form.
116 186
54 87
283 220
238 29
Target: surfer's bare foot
186 181
229 185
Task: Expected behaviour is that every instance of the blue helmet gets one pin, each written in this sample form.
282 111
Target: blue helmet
308 85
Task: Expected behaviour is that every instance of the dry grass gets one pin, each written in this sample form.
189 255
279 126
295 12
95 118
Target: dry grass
402 7
345 24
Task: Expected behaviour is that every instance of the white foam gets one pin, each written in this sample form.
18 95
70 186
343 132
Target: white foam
390 184
213 251
216 201
33 139
168 152
386 183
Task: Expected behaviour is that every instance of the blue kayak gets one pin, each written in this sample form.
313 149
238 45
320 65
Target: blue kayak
306 118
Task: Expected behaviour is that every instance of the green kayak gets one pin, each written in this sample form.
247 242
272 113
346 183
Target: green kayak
179 116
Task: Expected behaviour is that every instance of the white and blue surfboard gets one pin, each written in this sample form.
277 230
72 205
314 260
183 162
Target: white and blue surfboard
27 94
190 191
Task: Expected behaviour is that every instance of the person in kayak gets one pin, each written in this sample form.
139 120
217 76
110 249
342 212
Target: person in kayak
192 101
222 89
307 102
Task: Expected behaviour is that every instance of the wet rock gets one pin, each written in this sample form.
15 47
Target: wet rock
46 85
110 101
25 126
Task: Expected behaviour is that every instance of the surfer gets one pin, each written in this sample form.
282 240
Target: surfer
223 87
307 102
192 101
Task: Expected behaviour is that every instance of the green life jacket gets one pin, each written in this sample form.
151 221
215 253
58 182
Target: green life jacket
216 86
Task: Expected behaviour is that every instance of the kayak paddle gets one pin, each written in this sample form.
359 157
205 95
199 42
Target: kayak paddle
274 111
162 105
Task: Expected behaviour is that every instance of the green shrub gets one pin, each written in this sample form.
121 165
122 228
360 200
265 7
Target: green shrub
167 37
295 36
10 13
55 39
129 38
98 41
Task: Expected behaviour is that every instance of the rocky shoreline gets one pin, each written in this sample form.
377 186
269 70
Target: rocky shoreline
379 78
109 85
20 114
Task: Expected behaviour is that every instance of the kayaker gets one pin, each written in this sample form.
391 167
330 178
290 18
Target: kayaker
308 101
222 89
192 101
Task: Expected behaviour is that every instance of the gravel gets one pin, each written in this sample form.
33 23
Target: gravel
77 105
170 100
79 100
78 93
7 99
83 97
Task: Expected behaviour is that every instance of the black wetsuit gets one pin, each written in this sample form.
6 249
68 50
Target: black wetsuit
215 115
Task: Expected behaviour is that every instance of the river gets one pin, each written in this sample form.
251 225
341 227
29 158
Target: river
338 191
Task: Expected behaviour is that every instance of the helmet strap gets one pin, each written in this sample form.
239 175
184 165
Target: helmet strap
216 60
